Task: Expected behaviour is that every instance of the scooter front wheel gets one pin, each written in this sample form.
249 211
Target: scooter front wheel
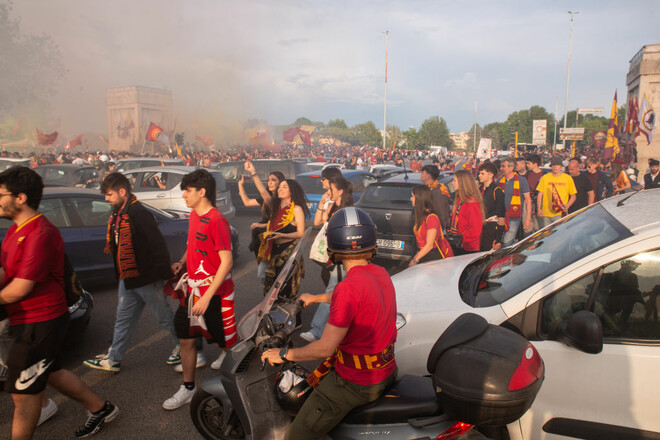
209 415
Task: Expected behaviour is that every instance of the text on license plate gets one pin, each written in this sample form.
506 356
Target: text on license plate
390 244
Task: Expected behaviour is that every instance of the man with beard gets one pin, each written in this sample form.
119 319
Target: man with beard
142 265
32 280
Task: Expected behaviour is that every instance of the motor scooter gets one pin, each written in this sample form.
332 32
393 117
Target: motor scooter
240 402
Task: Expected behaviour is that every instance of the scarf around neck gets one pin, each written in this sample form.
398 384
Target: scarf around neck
514 210
120 224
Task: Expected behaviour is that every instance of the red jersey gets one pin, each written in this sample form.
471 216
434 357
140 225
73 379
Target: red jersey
430 222
35 251
208 234
365 303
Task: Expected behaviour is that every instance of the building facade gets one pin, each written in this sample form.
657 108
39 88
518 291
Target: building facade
644 79
131 110
460 139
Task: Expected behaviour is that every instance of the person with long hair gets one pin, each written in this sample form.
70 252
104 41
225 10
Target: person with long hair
341 196
431 242
467 215
285 226
267 194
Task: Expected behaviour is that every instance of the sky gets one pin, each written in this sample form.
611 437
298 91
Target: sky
227 61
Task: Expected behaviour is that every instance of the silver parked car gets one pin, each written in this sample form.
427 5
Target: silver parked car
160 187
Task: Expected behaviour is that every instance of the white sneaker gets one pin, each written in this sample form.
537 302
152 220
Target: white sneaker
201 361
218 362
179 398
308 336
47 411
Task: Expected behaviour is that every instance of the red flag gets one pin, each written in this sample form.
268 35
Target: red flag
297 135
46 139
599 138
153 132
74 143
206 140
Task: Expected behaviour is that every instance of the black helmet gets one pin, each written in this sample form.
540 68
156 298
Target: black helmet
292 389
350 231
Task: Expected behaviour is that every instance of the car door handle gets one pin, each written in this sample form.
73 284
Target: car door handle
179 233
161 196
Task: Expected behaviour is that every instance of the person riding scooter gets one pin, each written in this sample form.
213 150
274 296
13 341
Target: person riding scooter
358 340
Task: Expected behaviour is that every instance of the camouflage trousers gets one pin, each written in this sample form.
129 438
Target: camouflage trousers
275 265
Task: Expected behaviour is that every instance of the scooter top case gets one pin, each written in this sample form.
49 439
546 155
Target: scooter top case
484 374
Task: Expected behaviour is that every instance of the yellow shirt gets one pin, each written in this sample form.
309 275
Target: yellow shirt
565 187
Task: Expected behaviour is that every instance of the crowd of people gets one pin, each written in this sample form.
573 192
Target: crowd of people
495 203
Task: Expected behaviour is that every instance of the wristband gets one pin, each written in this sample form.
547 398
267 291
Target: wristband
253 174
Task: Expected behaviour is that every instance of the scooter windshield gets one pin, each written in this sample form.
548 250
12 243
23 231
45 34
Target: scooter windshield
249 324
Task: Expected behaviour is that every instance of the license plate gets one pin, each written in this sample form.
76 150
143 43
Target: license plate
390 244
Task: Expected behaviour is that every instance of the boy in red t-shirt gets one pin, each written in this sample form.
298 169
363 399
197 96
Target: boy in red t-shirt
210 288
32 280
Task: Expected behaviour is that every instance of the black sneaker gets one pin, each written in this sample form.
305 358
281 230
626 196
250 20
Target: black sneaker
97 419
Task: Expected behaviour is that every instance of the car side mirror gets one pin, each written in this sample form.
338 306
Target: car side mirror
582 331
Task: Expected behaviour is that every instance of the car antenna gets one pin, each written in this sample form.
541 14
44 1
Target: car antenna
405 173
620 202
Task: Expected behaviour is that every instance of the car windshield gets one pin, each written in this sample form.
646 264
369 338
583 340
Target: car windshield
377 194
311 184
496 277
230 170
220 184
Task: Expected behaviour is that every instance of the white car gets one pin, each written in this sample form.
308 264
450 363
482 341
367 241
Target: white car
605 260
160 188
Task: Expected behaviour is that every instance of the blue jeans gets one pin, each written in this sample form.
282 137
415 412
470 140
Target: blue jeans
261 271
130 304
322 313
510 235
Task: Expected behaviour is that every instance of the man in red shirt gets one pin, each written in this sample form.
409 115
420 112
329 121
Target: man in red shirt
32 279
210 288
358 340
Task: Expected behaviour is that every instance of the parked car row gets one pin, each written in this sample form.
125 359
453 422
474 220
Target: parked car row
82 215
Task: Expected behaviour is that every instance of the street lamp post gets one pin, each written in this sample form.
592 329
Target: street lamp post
387 33
568 69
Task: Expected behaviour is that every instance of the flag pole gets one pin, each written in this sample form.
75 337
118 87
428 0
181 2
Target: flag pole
387 33
568 69
475 127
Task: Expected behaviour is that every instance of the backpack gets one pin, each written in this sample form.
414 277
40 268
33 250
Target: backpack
72 287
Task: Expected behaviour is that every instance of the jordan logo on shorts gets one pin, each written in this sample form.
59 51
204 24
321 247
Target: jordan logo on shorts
31 374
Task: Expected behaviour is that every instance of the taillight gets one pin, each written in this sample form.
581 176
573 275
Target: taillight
458 428
529 370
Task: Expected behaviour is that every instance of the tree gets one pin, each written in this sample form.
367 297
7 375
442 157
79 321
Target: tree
494 131
28 64
412 140
470 141
394 136
337 123
368 134
434 131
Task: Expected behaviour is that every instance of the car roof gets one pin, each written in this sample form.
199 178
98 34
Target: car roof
65 166
70 191
163 159
346 173
409 178
181 168
637 211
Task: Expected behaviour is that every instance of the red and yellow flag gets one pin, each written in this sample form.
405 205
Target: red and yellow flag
153 132
612 143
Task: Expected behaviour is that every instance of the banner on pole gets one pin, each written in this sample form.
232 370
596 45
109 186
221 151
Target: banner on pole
485 146
540 132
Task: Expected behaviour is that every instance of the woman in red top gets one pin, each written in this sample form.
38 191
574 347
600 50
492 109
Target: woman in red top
428 230
467 216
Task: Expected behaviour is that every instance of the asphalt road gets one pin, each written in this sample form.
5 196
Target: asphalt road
145 381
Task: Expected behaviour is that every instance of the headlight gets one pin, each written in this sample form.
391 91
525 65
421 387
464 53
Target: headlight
221 202
400 321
